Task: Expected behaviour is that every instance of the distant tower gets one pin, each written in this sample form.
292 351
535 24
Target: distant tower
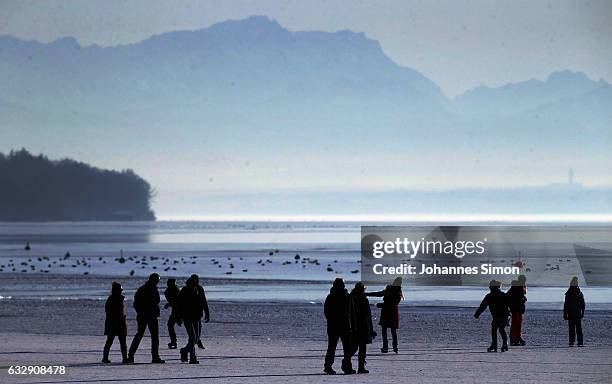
570 175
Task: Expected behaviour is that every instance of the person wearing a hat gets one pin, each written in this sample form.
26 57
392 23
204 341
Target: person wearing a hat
115 324
573 311
497 301
146 304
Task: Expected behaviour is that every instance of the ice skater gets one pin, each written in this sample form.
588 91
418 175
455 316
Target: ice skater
115 324
389 312
573 312
497 301
172 294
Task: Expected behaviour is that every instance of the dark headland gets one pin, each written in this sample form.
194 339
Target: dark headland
35 188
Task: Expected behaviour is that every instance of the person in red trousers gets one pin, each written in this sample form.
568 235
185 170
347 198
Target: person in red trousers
517 299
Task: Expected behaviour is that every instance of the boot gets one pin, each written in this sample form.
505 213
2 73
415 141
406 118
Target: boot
157 360
194 361
172 345
347 368
329 371
130 359
521 342
384 350
492 348
105 360
504 347
184 355
362 368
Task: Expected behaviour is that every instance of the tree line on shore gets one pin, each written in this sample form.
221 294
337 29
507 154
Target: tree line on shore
35 188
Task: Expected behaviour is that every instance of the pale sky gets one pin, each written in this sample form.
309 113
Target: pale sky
457 44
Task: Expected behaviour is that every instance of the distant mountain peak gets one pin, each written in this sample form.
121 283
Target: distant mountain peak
67 41
567 75
250 24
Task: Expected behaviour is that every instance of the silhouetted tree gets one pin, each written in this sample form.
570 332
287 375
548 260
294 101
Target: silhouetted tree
34 188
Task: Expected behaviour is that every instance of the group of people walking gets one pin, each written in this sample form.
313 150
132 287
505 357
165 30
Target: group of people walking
512 304
188 306
348 315
349 319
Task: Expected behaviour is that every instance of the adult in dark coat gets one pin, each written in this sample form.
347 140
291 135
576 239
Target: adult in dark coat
360 322
193 305
115 324
206 313
172 294
516 301
336 313
573 311
497 301
146 304
389 312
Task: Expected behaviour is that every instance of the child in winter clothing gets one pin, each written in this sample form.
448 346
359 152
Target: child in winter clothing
497 301
573 312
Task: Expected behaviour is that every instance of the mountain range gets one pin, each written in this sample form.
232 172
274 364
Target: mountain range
251 89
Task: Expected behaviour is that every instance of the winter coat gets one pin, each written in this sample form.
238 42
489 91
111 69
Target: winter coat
517 299
192 303
146 301
172 295
115 324
360 317
389 313
573 308
336 311
497 301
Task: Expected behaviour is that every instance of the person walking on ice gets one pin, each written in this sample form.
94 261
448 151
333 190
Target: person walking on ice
389 312
336 314
497 301
146 304
172 295
573 312
115 324
516 301
362 330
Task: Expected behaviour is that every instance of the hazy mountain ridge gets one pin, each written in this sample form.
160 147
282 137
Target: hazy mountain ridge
250 90
523 96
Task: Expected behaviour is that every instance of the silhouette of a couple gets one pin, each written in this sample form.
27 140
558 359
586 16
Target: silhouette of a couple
349 319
